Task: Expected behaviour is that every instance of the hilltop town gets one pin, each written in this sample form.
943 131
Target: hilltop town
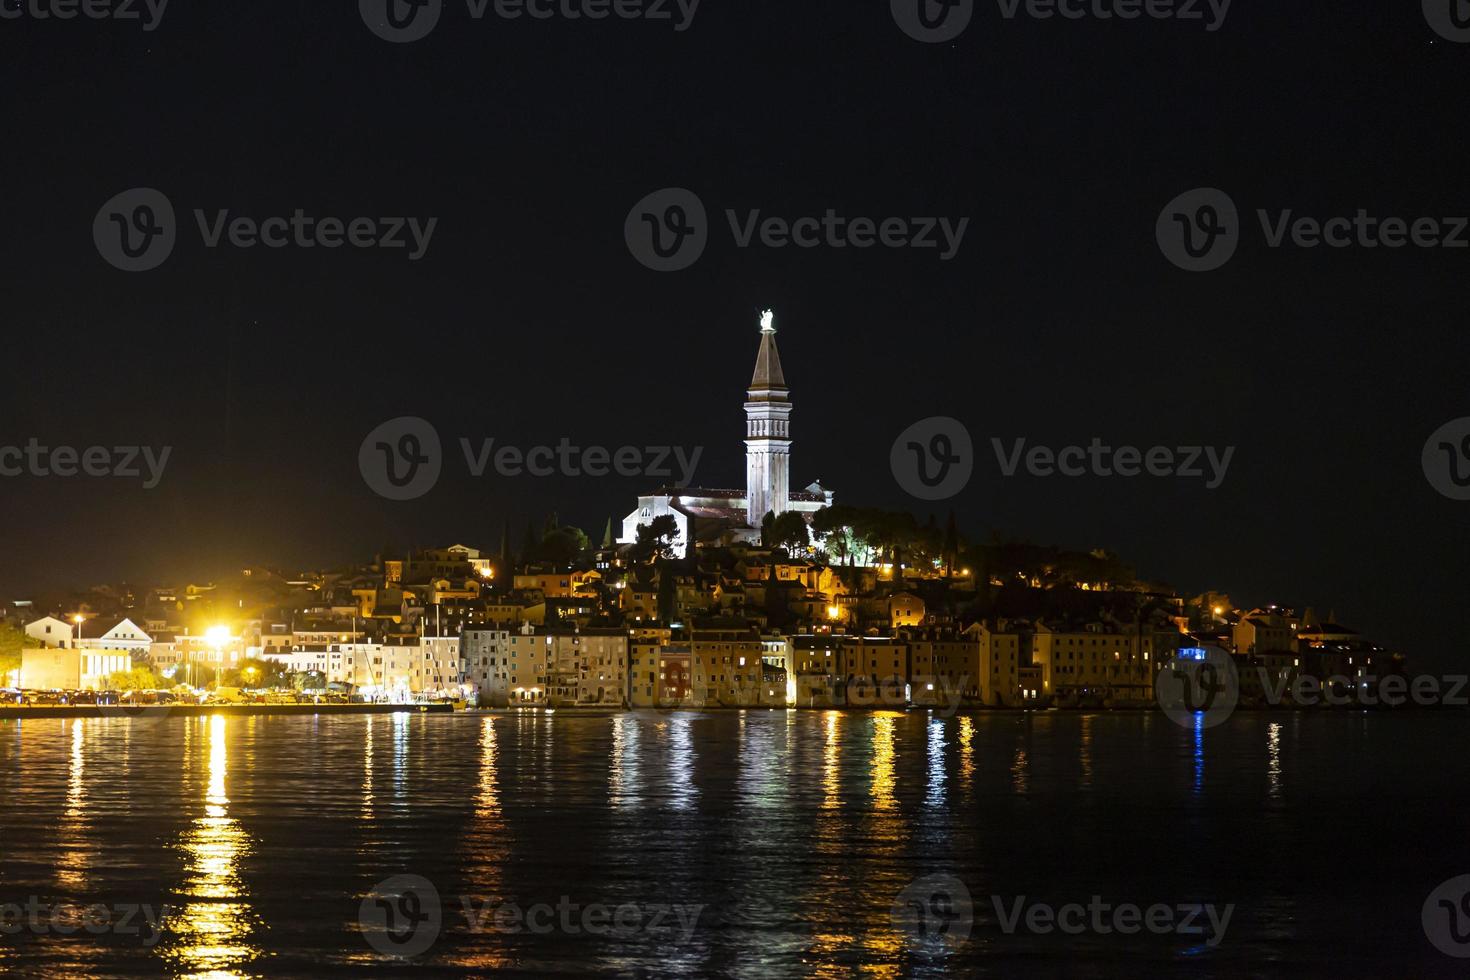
700 597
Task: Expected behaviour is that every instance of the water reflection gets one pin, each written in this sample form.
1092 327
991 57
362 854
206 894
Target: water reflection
967 756
487 846
401 721
71 864
367 771
761 785
1199 754
1021 765
214 927
681 764
883 762
1273 767
625 784
831 762
1084 751
935 794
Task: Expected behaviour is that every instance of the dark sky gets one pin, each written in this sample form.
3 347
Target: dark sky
528 320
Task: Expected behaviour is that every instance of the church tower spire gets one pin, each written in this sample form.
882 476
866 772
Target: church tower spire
767 432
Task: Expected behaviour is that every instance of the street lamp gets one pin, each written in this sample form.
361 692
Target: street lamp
77 633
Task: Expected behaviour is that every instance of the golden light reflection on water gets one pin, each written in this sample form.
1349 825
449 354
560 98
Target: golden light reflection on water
967 753
214 927
831 763
1020 766
884 754
1273 770
486 845
881 827
367 771
71 863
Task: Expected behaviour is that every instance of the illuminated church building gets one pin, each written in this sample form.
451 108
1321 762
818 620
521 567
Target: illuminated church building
736 515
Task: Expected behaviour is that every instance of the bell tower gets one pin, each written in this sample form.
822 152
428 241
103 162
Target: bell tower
767 432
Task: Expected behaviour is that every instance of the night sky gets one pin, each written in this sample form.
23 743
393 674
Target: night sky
528 319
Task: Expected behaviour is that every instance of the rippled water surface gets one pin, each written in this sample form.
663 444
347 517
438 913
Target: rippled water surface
750 844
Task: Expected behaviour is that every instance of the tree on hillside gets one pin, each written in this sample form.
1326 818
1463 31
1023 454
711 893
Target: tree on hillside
563 545
12 641
656 538
788 530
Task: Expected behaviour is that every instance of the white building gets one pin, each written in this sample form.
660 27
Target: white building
738 514
52 633
117 634
485 653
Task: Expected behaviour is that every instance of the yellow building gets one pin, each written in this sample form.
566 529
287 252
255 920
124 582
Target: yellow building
726 667
1102 662
70 669
981 663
